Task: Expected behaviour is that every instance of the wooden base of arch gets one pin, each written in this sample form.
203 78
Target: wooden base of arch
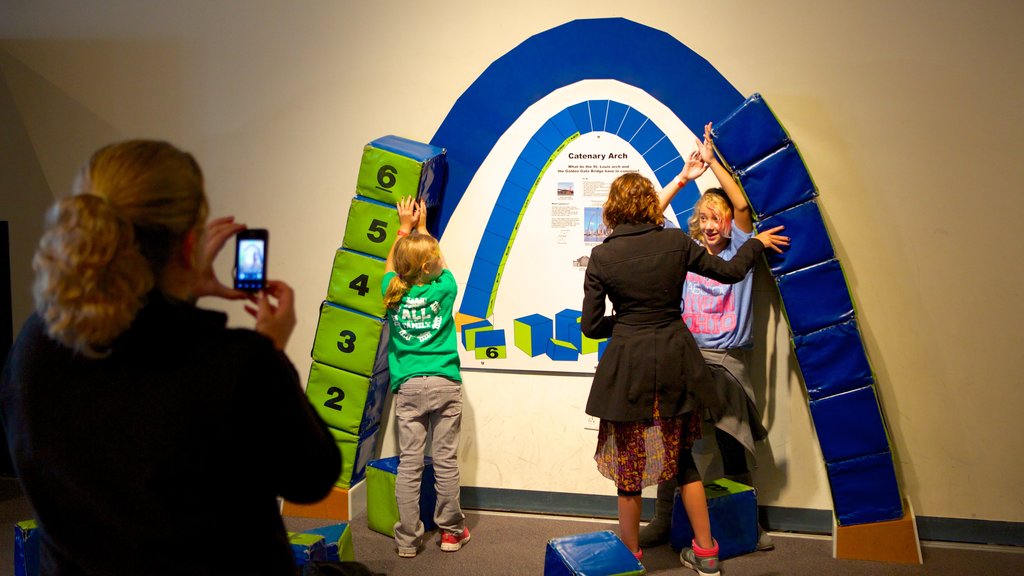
341 504
893 541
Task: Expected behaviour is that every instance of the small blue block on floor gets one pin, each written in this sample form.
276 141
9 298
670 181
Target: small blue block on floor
591 554
26 548
307 547
732 508
337 542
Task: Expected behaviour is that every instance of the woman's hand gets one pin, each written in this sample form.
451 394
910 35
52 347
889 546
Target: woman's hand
215 236
275 320
771 239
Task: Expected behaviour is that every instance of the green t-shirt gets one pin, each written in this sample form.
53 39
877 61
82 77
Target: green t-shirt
422 338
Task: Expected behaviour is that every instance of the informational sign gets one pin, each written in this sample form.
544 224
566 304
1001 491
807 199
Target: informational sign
534 218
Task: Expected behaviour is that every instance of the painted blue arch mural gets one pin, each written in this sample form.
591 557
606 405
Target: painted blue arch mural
608 116
850 425
611 48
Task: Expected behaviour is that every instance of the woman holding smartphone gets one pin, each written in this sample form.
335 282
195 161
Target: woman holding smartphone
129 411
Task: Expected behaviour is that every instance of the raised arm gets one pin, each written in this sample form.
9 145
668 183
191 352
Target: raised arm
408 218
692 169
421 228
740 208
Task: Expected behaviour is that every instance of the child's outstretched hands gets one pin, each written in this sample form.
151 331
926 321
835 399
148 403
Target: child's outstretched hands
409 214
771 239
706 148
422 208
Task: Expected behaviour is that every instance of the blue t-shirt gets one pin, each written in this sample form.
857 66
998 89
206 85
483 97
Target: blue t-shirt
719 315
422 338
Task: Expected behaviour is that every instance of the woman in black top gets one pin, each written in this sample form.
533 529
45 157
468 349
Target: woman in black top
645 387
142 429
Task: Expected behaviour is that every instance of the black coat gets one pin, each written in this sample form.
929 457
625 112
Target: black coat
179 440
641 268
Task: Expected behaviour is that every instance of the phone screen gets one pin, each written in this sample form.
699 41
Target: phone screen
251 260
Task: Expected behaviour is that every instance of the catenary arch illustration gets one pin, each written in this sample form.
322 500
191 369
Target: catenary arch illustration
844 405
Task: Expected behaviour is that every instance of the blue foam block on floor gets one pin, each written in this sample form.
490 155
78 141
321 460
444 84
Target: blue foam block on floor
849 425
306 547
865 490
26 548
590 554
337 541
832 360
748 133
732 509
815 297
810 243
776 182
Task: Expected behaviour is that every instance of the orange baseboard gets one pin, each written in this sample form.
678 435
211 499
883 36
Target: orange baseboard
894 541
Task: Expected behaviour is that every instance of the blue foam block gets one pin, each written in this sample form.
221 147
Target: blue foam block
849 425
435 164
815 297
748 133
776 182
865 490
332 535
732 509
832 360
307 548
365 450
590 554
26 548
810 241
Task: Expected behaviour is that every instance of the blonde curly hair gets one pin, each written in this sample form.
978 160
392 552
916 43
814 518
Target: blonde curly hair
103 248
716 200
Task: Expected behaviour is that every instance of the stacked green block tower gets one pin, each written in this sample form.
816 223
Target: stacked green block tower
349 377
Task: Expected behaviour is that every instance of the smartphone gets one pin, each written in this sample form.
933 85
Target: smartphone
251 259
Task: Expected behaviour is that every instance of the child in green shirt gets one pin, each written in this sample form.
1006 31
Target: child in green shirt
419 293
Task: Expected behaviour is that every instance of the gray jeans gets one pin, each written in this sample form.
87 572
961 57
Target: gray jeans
434 403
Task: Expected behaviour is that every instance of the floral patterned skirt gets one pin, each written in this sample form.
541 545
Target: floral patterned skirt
643 453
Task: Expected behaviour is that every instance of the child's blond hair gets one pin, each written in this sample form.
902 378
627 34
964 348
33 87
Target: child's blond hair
412 253
717 201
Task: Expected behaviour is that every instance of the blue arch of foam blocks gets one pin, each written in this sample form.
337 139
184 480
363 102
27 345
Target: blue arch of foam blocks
815 296
822 319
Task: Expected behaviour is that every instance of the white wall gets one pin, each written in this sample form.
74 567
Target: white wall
908 118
